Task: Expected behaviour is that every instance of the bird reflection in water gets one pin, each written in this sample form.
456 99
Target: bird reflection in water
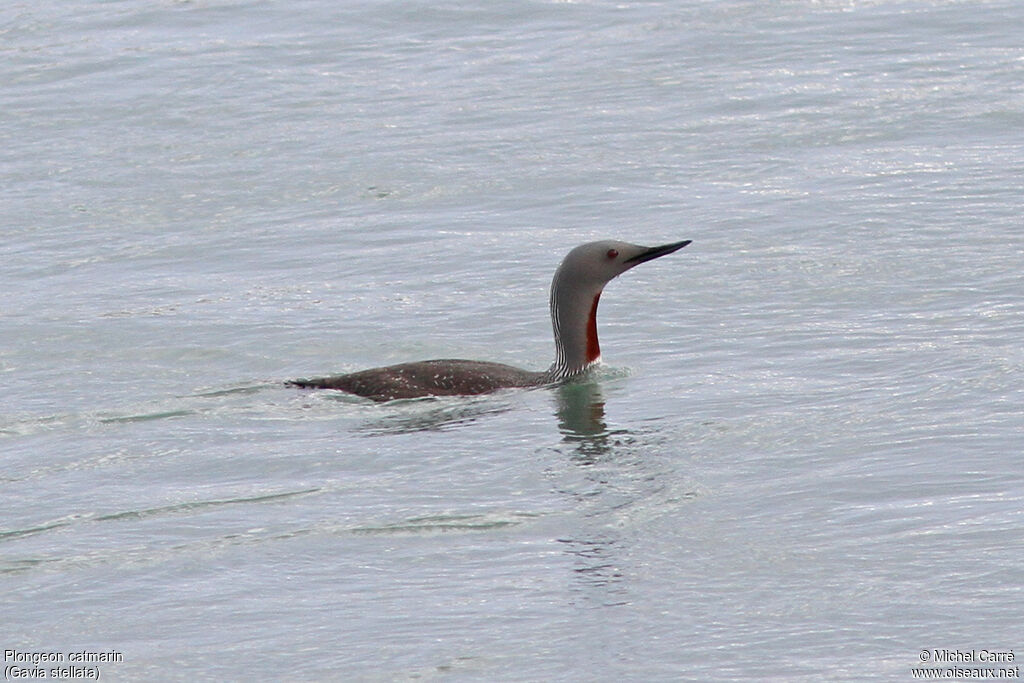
581 420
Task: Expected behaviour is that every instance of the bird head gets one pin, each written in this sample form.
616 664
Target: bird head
594 264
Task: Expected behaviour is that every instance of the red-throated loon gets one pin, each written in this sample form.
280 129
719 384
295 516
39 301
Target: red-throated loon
575 291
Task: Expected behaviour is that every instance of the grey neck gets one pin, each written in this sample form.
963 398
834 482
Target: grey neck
574 322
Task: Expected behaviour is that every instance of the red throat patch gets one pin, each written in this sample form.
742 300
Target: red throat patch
593 348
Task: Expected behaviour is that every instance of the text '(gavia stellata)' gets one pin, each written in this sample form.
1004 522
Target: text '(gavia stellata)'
575 291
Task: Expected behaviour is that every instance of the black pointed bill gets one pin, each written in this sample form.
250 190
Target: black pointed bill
655 252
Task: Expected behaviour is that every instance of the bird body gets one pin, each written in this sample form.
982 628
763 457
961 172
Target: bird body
575 292
443 377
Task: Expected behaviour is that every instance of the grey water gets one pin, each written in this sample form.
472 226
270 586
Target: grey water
801 458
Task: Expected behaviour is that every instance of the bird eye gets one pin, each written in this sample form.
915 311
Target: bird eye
613 253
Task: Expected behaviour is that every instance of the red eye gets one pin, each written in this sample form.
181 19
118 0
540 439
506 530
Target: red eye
613 253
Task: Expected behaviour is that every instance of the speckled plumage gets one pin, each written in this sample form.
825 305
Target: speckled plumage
444 377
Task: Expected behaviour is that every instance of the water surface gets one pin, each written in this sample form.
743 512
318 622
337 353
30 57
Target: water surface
800 460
